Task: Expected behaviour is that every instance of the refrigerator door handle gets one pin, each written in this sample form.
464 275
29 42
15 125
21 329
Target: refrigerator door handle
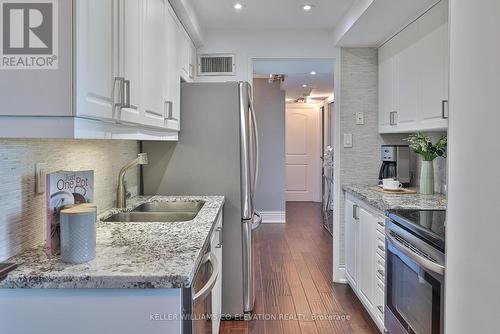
245 152
255 139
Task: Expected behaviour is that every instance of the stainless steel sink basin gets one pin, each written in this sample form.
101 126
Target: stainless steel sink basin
178 206
179 211
166 217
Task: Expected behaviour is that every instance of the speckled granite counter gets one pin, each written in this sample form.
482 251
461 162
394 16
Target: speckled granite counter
385 202
128 255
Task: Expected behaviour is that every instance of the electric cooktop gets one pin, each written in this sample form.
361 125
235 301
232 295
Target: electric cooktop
429 225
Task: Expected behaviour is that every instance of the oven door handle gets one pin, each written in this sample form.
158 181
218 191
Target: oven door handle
422 261
210 257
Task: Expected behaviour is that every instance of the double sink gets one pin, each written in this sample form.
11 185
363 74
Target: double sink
178 211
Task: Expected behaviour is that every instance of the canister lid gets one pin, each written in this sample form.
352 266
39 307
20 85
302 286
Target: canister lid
79 209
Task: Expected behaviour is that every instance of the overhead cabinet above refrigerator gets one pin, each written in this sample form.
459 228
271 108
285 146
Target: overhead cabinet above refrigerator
118 77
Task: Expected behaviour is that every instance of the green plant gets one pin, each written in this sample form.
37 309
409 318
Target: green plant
422 145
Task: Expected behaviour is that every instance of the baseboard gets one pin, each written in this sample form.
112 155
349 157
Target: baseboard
273 217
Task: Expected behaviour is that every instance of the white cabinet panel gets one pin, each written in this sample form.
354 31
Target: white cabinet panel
154 71
366 265
173 85
131 59
351 242
96 61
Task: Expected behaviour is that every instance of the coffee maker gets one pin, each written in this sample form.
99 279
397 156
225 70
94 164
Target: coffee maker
395 164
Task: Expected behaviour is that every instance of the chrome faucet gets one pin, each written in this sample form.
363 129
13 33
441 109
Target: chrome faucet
121 192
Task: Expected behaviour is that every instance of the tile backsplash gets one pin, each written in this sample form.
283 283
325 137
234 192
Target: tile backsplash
22 218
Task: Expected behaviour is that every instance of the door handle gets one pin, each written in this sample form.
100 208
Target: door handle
207 288
169 110
219 230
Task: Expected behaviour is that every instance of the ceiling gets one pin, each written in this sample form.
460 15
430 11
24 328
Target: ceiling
298 72
270 14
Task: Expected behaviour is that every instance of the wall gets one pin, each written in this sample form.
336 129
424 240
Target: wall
269 102
473 230
22 219
271 44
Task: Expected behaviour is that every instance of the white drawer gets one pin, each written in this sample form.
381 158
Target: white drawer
381 225
380 248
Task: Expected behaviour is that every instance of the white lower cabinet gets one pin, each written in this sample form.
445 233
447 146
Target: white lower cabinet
365 256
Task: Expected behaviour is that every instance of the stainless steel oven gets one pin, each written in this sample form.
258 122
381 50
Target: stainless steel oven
414 278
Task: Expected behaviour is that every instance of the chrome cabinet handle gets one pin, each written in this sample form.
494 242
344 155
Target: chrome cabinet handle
355 215
219 230
210 257
381 223
380 309
444 109
126 89
392 118
191 71
169 110
382 248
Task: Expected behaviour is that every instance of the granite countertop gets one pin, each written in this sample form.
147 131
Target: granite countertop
383 201
128 255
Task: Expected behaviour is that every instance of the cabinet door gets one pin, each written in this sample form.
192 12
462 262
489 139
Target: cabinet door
153 59
96 58
192 61
351 241
433 57
407 73
173 81
386 83
366 256
184 53
131 15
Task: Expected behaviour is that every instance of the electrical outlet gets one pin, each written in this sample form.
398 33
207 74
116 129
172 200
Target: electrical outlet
360 118
347 140
40 177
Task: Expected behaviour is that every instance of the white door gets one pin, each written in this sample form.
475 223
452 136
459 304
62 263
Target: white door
96 58
303 153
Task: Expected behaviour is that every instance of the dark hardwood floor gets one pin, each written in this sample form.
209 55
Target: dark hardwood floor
293 267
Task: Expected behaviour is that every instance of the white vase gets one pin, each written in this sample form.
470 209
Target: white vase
427 178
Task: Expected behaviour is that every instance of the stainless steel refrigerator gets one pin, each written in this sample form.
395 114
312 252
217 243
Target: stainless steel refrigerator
217 154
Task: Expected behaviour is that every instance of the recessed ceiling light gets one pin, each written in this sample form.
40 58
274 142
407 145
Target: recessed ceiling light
307 7
313 73
238 6
304 85
288 99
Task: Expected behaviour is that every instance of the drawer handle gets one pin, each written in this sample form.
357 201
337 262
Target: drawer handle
382 248
381 272
392 118
381 309
355 215
381 224
219 230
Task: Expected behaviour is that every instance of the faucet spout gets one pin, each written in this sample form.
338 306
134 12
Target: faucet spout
121 191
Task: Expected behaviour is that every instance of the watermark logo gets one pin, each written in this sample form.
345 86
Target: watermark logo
28 34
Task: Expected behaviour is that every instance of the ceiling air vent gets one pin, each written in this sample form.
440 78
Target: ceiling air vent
216 64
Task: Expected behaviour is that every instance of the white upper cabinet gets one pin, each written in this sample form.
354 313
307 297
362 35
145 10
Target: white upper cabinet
97 64
119 75
413 75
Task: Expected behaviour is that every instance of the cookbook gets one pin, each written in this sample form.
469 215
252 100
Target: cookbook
64 188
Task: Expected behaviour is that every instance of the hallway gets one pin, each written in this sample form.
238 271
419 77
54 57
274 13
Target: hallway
293 264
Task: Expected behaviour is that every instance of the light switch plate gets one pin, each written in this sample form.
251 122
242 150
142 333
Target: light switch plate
360 118
347 139
40 176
